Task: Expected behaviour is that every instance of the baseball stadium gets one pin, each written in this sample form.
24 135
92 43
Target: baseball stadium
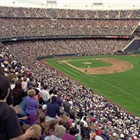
82 58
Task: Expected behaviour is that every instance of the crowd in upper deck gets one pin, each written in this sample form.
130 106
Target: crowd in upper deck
21 22
63 27
63 13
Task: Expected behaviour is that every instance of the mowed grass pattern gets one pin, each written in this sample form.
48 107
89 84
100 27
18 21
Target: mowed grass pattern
122 88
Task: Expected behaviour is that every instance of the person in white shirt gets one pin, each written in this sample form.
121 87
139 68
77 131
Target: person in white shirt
84 121
24 85
45 94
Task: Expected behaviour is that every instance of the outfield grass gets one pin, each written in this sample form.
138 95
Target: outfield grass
121 88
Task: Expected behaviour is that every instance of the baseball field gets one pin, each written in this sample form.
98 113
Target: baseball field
117 78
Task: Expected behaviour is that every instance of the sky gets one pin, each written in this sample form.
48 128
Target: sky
107 1
75 4
39 1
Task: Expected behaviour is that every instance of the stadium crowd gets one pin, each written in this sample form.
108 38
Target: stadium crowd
26 27
72 14
38 102
26 22
57 107
32 49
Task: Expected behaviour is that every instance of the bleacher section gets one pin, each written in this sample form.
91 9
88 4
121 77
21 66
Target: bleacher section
26 23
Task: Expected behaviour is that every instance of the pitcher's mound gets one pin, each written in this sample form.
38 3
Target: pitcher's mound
88 63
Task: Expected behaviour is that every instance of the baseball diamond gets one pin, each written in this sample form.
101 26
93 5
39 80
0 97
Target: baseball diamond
117 66
110 76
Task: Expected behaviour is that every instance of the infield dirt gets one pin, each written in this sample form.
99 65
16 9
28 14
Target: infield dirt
117 66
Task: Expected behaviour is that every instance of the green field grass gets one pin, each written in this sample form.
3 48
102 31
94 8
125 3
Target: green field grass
121 88
82 63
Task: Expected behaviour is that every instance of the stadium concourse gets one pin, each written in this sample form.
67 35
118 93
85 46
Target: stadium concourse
56 106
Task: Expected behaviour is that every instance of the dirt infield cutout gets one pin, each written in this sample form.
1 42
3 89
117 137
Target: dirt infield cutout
117 66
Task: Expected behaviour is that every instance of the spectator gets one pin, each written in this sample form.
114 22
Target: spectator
31 104
84 121
50 128
9 98
67 105
59 99
45 95
68 136
24 127
64 119
38 118
53 109
10 127
18 94
59 133
74 131
96 137
24 85
37 132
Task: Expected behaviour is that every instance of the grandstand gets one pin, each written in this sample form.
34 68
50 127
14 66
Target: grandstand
30 33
